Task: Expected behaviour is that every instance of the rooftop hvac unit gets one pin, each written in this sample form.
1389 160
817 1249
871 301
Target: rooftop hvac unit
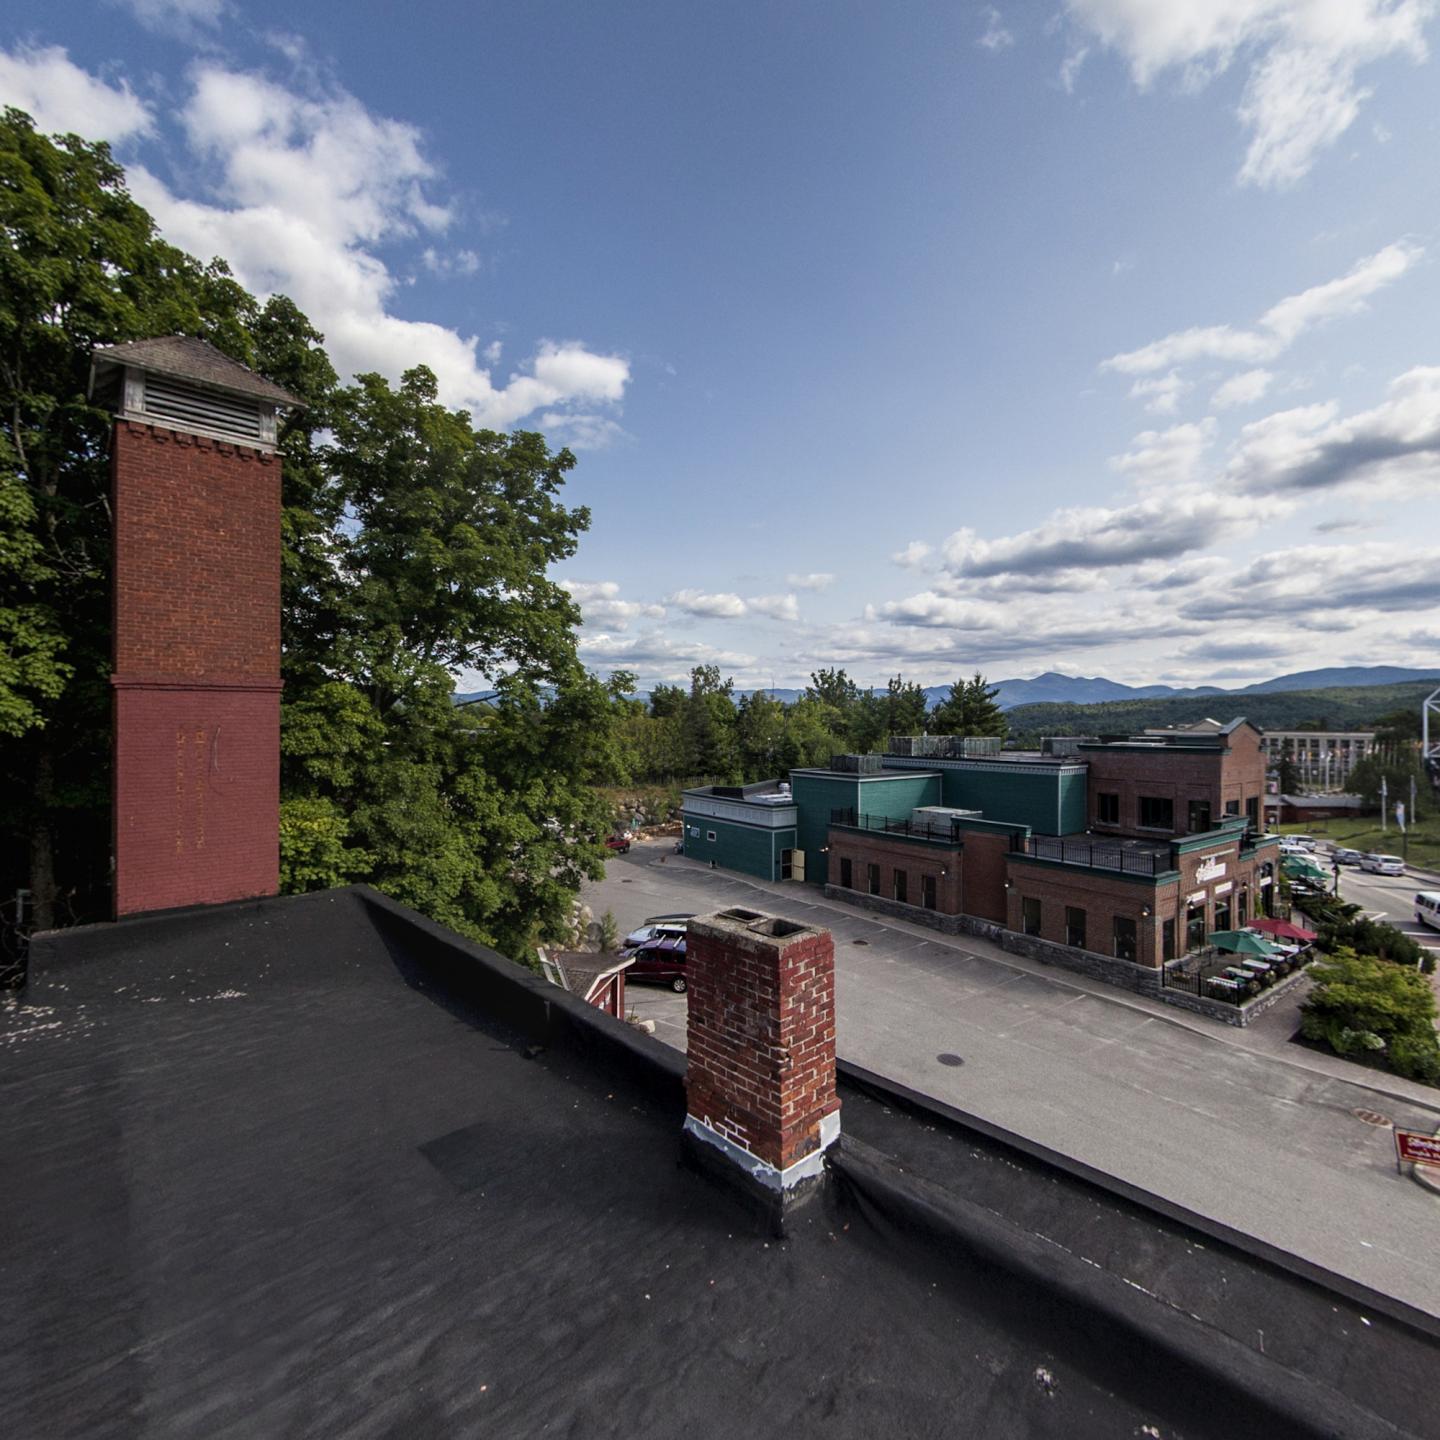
857 764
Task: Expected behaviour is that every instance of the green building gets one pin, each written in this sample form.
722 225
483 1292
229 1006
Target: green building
1042 792
855 786
750 828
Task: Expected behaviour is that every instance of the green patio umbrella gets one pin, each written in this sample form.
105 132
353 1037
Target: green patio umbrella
1243 942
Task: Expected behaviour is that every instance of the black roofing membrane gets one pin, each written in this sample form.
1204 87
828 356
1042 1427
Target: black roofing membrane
274 1170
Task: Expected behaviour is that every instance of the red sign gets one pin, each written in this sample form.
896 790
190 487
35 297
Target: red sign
1418 1148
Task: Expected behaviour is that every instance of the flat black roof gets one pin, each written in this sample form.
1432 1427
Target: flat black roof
315 1167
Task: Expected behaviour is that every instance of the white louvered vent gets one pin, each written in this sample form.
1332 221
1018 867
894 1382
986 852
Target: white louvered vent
187 408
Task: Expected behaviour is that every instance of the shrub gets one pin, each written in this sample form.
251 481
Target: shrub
1361 1004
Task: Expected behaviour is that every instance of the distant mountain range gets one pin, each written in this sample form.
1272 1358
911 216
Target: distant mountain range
1053 688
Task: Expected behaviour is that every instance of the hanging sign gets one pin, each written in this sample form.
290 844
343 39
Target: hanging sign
1211 868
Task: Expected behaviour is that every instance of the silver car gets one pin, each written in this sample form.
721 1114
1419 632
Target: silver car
1377 864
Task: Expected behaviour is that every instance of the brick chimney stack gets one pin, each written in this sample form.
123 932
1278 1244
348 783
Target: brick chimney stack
762 1107
195 494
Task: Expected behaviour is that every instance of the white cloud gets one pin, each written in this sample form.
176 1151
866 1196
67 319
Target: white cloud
600 604
913 556
715 606
1281 325
1166 457
63 98
306 189
728 606
996 36
1321 583
462 262
1161 396
1155 528
1391 449
654 651
1301 92
581 431
1070 68
1243 389
182 17
818 580
776 607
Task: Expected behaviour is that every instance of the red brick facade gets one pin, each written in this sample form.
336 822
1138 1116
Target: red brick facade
969 877
1214 779
1218 888
196 669
761 1037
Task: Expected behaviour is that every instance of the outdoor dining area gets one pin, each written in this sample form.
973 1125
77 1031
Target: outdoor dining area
1236 965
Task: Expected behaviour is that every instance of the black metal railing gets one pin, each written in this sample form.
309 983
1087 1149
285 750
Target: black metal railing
937 831
1218 975
1094 854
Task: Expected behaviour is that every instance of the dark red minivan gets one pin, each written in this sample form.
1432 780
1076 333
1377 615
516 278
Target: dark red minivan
662 961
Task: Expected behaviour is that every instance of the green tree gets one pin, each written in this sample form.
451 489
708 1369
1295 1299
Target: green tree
709 725
759 735
667 700
1360 1006
1395 773
969 709
905 707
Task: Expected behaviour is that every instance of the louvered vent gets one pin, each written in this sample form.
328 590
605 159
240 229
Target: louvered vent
232 416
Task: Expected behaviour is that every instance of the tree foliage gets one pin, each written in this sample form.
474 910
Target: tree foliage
1360 1005
969 709
414 545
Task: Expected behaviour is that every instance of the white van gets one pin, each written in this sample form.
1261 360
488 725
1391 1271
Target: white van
1427 908
1378 864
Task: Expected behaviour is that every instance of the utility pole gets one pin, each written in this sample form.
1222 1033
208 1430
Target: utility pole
1384 800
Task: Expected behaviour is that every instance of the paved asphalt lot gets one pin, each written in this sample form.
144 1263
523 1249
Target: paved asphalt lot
1240 1125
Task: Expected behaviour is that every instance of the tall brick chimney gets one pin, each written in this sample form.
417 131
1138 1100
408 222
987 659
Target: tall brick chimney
195 494
760 1085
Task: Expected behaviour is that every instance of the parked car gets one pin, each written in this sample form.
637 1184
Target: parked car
1340 856
1378 864
617 842
647 934
661 960
1297 842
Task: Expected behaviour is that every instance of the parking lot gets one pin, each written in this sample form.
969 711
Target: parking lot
1237 1124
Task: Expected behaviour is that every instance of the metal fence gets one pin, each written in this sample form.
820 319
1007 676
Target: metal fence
1096 855
937 830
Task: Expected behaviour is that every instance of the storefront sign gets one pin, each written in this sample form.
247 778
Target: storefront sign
1198 898
1211 868
1416 1147
1226 888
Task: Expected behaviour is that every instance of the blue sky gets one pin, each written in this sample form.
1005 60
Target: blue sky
1097 335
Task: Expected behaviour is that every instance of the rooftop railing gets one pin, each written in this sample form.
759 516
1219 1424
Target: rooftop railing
1095 854
937 831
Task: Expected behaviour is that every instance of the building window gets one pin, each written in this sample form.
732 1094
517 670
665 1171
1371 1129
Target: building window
1107 809
847 880
1232 807
709 834
1252 811
1075 927
902 886
1157 813
1030 915
1125 948
873 876
1167 940
1199 816
1242 906
1222 914
1195 928
927 891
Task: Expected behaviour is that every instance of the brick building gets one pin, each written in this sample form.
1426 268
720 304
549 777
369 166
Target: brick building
196 635
1133 850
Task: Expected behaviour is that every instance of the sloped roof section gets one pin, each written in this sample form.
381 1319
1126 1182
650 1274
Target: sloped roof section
186 358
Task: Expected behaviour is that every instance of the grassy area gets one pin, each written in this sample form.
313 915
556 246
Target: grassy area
1362 832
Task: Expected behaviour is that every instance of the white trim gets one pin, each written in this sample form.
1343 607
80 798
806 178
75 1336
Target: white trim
768 1175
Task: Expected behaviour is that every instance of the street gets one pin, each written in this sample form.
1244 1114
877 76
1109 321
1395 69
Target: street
1237 1124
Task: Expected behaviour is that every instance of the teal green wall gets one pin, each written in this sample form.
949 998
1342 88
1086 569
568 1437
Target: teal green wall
815 797
891 797
750 849
895 796
1047 802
